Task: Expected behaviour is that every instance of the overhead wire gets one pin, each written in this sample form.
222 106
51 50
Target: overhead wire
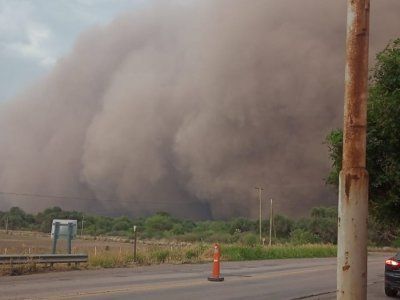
90 199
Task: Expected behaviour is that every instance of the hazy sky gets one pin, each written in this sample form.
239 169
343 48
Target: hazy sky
180 106
35 33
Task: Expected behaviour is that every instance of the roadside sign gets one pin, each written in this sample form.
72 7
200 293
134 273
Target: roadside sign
63 228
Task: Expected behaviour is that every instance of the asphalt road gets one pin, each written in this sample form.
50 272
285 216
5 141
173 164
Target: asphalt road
269 279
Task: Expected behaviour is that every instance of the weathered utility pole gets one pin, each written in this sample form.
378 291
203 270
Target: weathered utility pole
134 244
6 225
353 179
83 221
260 221
271 222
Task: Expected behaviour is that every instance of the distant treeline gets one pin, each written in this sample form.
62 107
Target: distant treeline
319 227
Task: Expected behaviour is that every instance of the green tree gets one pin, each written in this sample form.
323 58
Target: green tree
301 237
383 138
44 219
159 222
17 219
121 226
241 225
283 226
322 225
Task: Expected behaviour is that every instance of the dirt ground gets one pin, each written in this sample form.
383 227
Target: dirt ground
27 242
22 242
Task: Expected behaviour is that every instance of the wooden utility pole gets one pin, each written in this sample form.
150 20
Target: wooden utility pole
135 244
6 225
271 222
83 221
353 178
260 211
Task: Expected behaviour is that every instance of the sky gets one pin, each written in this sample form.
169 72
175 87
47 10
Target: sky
180 106
34 34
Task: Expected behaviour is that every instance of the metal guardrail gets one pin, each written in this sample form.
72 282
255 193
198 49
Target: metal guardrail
43 259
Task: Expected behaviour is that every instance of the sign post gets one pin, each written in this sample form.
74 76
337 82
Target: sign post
64 229
56 226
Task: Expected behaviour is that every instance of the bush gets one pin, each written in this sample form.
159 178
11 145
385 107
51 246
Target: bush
221 237
160 255
396 243
121 226
159 222
178 229
190 237
301 237
283 226
192 254
208 236
249 239
241 225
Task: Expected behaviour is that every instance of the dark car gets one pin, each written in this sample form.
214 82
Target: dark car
392 276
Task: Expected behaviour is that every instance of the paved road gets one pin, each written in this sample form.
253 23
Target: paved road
270 279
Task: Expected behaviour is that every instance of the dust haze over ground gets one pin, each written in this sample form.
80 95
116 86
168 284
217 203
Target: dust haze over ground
185 106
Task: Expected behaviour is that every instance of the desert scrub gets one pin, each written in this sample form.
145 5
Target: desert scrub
19 269
110 260
199 253
32 268
177 254
159 255
249 239
152 255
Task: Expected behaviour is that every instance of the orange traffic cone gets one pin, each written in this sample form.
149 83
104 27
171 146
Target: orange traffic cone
216 267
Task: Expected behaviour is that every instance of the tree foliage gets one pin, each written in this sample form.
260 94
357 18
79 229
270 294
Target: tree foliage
319 227
383 138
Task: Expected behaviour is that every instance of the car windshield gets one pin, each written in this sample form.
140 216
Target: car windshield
397 256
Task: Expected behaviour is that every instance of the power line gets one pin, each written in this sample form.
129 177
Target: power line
92 199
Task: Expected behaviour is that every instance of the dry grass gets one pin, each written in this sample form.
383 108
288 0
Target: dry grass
24 242
104 252
108 253
152 254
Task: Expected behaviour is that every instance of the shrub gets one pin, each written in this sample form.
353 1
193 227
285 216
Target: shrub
249 239
241 225
121 226
159 222
396 243
192 253
160 255
178 229
301 237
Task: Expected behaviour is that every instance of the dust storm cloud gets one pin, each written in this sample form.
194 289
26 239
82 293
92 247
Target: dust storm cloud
185 106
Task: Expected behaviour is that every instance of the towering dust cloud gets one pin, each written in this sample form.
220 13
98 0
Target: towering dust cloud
184 107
